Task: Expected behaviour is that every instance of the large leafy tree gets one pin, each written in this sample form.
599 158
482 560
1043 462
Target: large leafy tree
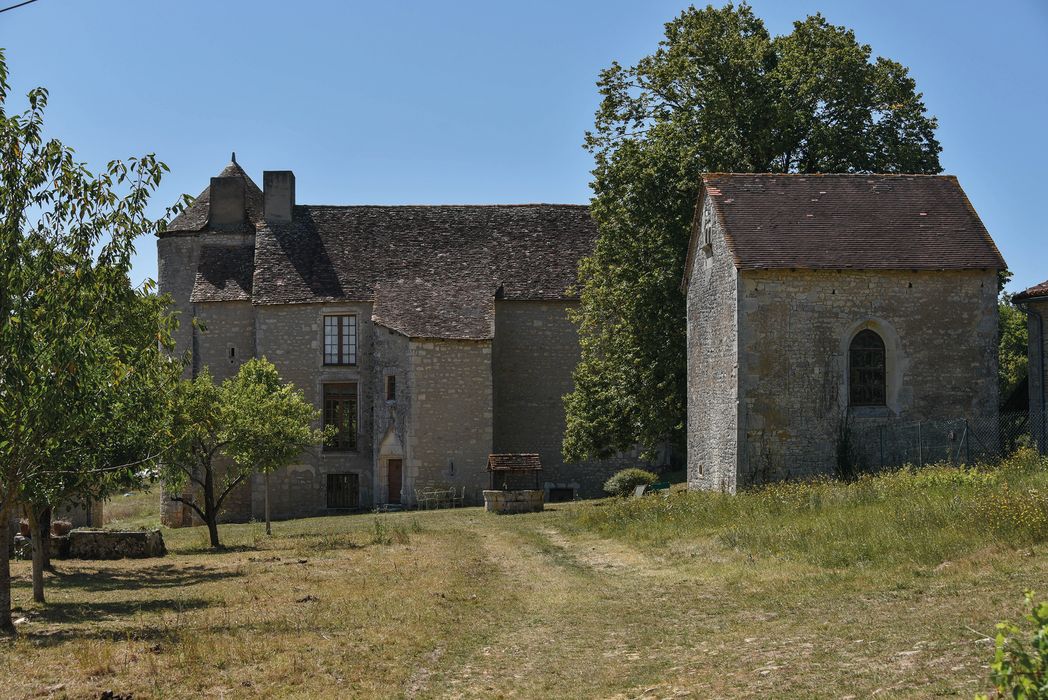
719 94
222 433
68 365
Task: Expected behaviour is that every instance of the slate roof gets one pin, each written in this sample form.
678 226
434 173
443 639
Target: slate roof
849 221
224 273
514 462
194 218
1038 290
431 271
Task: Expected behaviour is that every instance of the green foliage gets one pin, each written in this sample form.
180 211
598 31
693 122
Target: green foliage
1012 349
719 94
221 434
1018 671
900 517
79 348
622 483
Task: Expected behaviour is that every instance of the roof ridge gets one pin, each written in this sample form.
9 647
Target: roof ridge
437 206
731 174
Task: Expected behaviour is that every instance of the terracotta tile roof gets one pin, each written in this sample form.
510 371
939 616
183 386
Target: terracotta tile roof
223 273
514 462
194 218
1038 290
851 221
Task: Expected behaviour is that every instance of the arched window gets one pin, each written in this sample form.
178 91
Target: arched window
866 370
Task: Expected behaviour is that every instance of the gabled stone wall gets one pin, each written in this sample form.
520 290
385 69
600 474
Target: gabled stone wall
712 360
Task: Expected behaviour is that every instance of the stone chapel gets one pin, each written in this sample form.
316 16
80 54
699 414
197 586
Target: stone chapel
822 303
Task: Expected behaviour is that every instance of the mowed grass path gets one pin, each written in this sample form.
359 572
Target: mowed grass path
466 604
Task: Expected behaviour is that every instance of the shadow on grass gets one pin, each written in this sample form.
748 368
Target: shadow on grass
57 623
197 549
159 576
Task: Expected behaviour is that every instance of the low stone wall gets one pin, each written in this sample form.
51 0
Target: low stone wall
105 544
523 501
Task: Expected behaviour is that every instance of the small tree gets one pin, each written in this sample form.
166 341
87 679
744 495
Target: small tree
224 433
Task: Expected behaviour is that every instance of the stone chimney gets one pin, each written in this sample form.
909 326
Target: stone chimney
278 193
227 206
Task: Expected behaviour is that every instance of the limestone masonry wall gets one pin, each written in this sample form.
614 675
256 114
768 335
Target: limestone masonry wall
939 330
535 352
712 360
291 337
1038 336
449 437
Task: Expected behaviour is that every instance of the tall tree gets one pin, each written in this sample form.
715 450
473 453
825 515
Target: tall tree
66 240
719 94
222 434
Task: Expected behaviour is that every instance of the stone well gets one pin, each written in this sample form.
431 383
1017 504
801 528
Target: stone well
111 544
516 501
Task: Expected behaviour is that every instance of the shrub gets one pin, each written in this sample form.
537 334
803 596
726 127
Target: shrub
1017 671
622 483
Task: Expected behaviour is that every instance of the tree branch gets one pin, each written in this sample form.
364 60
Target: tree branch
233 485
191 504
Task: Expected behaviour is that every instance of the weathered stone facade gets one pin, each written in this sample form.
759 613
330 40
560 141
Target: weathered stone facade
1038 340
1034 301
768 353
472 328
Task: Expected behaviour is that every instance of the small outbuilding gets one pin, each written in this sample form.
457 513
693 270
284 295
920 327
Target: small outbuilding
825 306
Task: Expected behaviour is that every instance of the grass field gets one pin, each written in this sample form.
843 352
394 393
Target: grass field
819 590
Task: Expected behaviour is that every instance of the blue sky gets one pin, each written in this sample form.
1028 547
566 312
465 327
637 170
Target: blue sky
480 102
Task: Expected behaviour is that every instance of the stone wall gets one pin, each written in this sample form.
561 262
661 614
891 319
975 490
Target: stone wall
534 354
291 337
449 437
222 326
940 334
712 327
392 418
1037 324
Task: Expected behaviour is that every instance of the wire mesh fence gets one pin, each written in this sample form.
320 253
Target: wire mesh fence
958 441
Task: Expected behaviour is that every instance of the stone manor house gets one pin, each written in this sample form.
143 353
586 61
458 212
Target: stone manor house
430 336
818 304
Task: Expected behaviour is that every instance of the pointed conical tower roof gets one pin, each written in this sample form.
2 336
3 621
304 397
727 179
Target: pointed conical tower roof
194 218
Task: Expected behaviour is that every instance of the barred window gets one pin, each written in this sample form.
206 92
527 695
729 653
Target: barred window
343 490
340 340
866 370
340 410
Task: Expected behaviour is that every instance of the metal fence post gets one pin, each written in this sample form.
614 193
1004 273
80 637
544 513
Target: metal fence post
920 446
967 445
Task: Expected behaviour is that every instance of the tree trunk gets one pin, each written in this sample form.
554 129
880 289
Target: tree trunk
269 529
45 541
38 553
7 627
210 512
